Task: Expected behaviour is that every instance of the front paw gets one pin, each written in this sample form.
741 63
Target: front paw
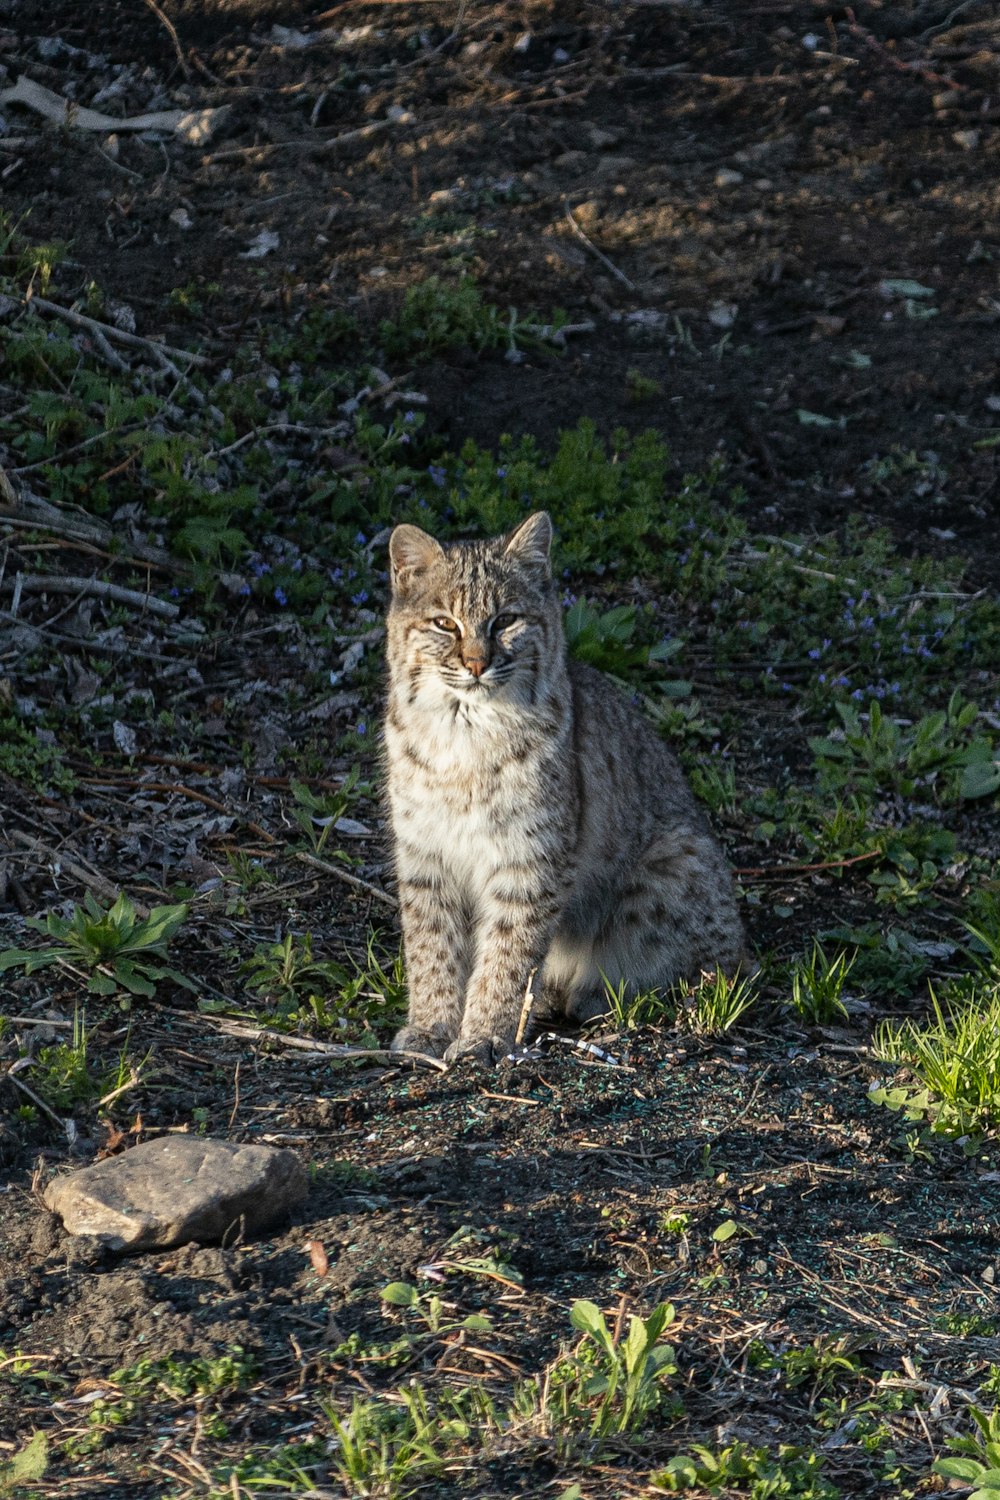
429 1043
485 1049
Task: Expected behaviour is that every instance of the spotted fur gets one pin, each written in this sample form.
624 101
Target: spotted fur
539 822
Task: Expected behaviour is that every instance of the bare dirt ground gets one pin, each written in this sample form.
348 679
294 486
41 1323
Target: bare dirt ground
780 221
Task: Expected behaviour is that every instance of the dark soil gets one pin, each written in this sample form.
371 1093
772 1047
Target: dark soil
753 173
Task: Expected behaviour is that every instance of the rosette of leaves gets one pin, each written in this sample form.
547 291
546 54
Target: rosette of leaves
112 948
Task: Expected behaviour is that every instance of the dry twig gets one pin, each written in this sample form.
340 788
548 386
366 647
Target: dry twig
348 879
95 588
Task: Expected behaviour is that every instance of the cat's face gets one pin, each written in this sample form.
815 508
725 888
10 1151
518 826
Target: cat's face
472 620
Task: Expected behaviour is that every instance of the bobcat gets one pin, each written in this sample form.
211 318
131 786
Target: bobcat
539 822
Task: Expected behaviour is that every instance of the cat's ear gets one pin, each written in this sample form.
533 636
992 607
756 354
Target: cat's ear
531 540
411 553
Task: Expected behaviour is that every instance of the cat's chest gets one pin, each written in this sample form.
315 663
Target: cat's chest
466 803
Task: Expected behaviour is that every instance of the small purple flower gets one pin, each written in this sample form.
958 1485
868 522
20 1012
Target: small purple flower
409 417
361 539
501 473
336 574
360 598
437 474
279 594
361 728
244 588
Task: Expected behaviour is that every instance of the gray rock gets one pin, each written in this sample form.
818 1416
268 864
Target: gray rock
177 1189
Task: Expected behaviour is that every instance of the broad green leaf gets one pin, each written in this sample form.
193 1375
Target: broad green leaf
724 1231
587 1317
478 1323
133 978
25 1467
815 418
101 984
969 1469
400 1294
902 286
160 926
979 779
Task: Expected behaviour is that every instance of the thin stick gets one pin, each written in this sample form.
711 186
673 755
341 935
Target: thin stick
526 1004
345 138
116 335
38 583
620 275
92 879
828 864
171 31
324 1049
18 1084
353 880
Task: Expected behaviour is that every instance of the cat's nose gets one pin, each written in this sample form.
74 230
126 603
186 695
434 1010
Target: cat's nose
477 665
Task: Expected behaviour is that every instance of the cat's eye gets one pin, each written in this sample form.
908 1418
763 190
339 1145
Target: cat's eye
442 622
502 621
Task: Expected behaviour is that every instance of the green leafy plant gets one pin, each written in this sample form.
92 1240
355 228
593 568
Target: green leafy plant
714 781
431 1310
26 758
817 986
318 814
791 1471
978 1460
619 1382
181 1377
954 1056
111 948
285 975
939 752
28 1466
607 639
716 1002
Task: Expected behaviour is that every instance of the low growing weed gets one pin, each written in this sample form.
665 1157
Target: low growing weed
615 1384
977 1460
758 1473
955 1058
112 949
941 753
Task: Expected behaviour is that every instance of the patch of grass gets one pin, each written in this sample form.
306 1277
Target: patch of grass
438 315
817 984
112 949
716 1003
955 1058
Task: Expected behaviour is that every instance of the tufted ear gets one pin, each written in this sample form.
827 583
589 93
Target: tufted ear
411 553
530 542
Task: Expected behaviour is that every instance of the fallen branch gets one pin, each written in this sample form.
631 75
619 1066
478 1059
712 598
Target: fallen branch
30 513
162 352
775 872
331 143
348 879
89 878
195 126
586 240
324 1049
63 1125
96 588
